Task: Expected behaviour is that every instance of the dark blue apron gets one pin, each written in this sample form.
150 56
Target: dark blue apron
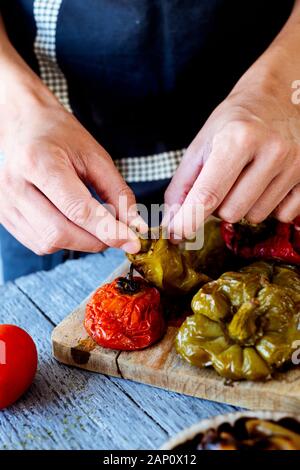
144 75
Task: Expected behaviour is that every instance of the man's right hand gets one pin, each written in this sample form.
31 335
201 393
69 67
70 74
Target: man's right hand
49 158
44 202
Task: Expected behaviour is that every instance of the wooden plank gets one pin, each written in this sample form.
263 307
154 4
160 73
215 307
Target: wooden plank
173 411
68 408
59 291
160 366
72 282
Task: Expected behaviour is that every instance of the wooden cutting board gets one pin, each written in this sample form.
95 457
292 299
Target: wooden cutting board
160 366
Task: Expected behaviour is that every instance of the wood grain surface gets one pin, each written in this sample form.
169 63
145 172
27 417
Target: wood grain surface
161 366
70 408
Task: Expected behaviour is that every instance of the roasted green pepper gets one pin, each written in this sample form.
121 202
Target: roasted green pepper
214 257
166 267
245 323
176 271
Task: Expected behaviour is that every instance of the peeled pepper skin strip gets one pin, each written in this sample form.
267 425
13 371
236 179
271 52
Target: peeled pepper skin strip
250 332
245 240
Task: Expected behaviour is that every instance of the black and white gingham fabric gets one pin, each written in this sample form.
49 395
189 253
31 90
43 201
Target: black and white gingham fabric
134 170
46 14
150 168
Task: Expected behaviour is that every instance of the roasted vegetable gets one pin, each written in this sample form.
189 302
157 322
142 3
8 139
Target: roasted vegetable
245 323
269 240
214 257
125 314
178 271
247 434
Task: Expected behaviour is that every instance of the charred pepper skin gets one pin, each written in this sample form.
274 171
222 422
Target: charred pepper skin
245 323
179 272
125 314
270 240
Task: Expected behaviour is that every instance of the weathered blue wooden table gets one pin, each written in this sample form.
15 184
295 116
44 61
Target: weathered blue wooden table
67 408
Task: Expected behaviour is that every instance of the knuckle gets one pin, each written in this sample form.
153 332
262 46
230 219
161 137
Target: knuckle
125 191
51 239
284 216
29 159
209 198
38 251
44 249
126 197
240 132
278 146
231 213
78 211
175 194
98 248
277 151
295 192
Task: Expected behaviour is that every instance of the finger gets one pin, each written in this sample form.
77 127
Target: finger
230 154
249 187
62 186
169 213
114 190
184 177
52 228
289 208
19 228
188 170
272 197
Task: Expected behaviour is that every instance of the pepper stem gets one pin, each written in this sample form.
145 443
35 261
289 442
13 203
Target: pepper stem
127 284
130 274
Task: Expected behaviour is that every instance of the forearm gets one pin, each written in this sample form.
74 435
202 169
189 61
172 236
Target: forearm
19 82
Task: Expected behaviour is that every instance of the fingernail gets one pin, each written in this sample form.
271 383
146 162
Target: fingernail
131 247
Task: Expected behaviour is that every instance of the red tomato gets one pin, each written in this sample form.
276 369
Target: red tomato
18 363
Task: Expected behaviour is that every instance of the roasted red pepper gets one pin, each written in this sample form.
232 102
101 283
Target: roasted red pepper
125 314
269 240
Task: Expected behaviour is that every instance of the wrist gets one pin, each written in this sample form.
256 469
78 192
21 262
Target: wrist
23 95
22 89
260 79
277 68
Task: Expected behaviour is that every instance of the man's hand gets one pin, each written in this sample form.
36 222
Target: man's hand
44 201
245 161
49 159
